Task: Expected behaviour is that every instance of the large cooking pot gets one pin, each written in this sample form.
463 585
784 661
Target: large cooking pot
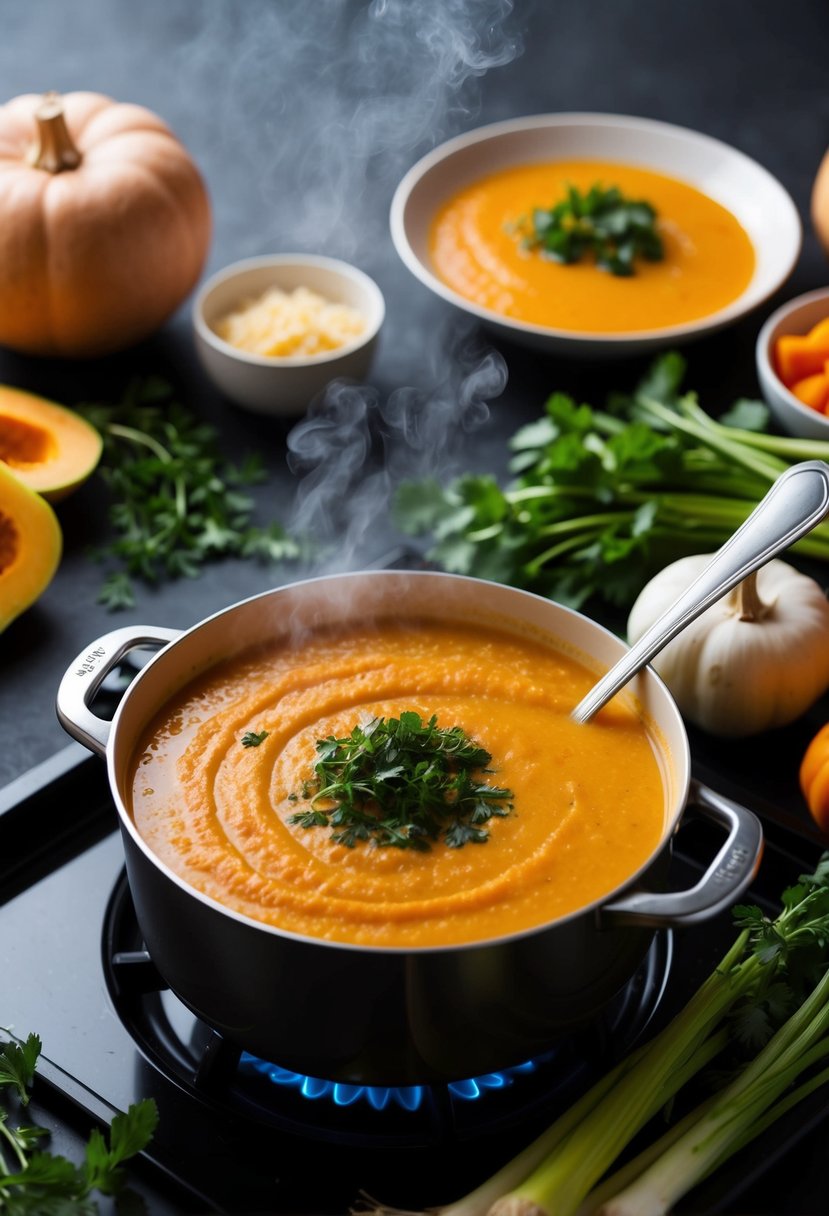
383 1015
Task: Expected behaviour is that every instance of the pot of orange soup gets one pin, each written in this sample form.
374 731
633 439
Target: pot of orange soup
383 965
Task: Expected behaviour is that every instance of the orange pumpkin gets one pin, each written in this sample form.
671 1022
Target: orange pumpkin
104 224
814 777
820 203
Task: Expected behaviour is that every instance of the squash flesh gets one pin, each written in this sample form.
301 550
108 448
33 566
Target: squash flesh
49 448
30 546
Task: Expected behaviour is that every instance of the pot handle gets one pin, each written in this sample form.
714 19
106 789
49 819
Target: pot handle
725 880
84 677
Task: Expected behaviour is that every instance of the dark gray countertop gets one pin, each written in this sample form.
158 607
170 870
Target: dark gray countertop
303 116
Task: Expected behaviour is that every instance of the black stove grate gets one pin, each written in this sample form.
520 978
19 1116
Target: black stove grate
217 1072
216 1148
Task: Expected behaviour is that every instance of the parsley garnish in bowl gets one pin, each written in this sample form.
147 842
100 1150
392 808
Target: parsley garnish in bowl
601 222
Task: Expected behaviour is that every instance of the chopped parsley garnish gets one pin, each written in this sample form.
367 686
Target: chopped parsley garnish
402 783
602 223
251 739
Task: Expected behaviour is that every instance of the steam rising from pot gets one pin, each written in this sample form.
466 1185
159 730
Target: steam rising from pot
368 125
353 448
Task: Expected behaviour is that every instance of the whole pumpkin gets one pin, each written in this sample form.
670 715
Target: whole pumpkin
814 777
820 203
104 224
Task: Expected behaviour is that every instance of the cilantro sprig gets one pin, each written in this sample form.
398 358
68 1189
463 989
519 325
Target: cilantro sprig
602 223
402 783
176 502
34 1182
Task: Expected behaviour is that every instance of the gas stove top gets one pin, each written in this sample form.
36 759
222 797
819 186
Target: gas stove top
242 1135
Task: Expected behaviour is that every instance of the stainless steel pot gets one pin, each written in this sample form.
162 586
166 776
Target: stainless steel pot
394 1016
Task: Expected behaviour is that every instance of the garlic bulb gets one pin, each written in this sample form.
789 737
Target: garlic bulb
756 659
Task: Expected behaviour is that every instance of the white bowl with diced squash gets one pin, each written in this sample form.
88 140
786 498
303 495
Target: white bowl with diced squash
271 332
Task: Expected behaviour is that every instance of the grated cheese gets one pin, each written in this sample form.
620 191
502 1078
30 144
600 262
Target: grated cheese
299 322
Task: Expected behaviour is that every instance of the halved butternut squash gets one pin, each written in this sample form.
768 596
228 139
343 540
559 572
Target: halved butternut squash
48 447
30 546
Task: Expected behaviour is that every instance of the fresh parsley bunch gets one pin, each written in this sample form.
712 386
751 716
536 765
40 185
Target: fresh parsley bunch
602 499
176 502
34 1182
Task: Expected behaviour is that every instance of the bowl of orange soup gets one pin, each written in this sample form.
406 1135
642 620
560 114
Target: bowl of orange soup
722 234
356 958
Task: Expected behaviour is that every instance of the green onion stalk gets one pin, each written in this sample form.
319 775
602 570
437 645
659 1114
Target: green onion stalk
557 1173
565 1177
620 1103
733 1119
479 1202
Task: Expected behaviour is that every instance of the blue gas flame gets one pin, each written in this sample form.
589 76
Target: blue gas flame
409 1097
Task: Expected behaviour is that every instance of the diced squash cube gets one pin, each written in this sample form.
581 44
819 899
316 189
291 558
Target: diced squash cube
820 333
797 357
813 390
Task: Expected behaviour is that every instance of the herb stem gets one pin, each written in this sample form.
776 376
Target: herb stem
141 437
16 1149
713 436
534 567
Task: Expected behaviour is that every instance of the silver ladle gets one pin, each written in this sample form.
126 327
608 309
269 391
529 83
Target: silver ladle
795 504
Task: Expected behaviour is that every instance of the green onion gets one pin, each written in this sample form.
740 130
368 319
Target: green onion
767 970
723 1127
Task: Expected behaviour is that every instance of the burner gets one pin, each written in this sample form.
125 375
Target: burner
200 1061
379 1097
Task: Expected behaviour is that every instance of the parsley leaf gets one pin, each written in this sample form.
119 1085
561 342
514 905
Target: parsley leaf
129 1133
17 1065
176 502
402 783
600 222
40 1183
251 739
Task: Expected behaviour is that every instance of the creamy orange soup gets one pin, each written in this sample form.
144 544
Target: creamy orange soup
588 800
709 259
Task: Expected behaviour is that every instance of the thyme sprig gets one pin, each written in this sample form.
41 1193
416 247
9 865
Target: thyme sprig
402 783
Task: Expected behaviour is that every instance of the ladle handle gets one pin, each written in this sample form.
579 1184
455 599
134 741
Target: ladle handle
795 504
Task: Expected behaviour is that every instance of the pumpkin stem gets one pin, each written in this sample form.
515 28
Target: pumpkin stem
54 150
749 605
